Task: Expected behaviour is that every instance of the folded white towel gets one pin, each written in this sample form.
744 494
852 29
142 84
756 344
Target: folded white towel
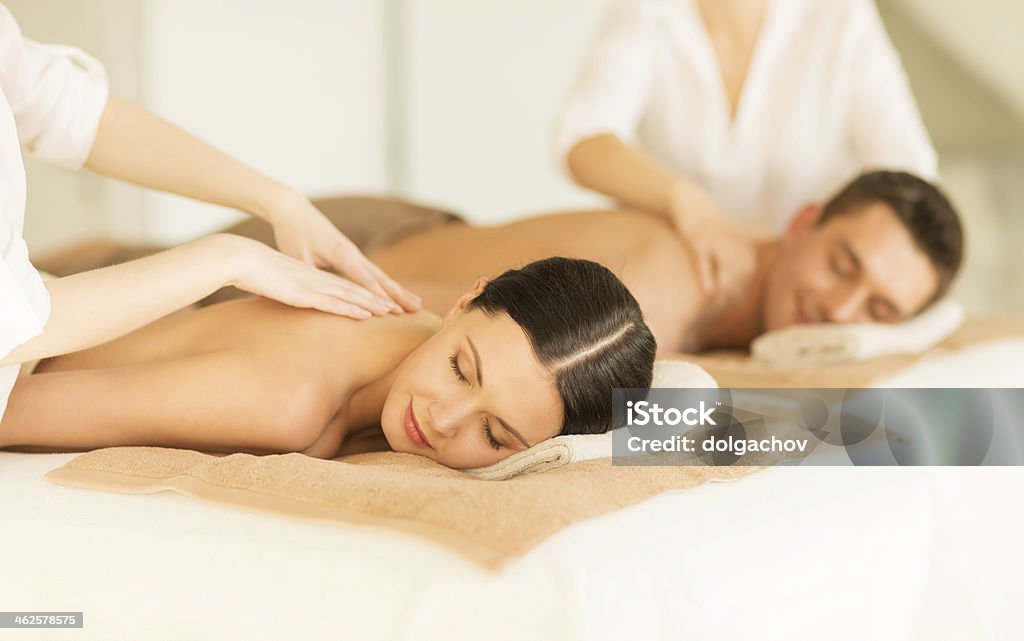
834 343
562 450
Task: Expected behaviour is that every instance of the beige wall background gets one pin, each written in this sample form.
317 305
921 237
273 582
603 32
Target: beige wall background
451 102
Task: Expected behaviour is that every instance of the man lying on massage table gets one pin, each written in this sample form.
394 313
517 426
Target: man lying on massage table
881 250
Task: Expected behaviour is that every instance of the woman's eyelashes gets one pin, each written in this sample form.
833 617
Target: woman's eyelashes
453 362
490 435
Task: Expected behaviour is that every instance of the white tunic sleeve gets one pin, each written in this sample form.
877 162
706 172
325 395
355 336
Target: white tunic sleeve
25 302
56 94
613 89
885 127
51 100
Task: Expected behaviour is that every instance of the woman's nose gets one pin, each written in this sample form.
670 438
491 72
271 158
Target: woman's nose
447 416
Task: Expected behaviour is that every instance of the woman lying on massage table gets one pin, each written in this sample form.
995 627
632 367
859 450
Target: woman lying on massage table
529 355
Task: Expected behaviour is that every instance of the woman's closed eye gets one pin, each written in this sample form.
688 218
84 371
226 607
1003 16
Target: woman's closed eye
490 435
453 362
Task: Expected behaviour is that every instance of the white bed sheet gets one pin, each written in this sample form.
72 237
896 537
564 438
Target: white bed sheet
792 553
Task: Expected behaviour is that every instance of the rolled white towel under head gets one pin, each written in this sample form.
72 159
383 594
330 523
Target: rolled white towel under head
823 344
562 450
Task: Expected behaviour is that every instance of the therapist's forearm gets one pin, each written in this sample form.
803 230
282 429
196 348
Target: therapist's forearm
606 164
139 147
93 307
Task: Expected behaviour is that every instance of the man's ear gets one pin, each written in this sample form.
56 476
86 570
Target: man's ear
463 302
804 219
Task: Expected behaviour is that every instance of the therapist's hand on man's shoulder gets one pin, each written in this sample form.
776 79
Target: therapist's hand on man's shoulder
303 232
723 248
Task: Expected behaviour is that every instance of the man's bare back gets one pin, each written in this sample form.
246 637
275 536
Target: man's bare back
653 262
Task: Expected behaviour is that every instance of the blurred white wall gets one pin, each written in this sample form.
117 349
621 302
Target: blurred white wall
485 81
294 90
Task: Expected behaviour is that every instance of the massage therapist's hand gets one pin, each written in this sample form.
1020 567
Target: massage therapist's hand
727 259
723 247
261 270
303 232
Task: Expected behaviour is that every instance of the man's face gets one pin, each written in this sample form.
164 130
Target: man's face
859 267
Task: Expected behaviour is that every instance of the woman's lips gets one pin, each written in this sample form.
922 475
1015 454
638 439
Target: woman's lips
412 428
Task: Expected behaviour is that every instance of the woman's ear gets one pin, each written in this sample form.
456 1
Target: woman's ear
464 300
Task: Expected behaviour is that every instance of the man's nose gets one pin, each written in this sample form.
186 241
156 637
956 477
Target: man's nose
843 304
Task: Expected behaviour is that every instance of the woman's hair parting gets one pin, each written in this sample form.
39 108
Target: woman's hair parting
585 327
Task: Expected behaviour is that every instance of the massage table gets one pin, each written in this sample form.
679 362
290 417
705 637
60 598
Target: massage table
789 553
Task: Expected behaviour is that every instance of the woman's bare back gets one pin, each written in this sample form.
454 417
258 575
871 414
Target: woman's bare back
244 376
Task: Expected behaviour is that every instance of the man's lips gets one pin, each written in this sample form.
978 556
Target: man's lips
412 428
802 317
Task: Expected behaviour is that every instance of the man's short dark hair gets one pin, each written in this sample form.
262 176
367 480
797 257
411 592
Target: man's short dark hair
922 208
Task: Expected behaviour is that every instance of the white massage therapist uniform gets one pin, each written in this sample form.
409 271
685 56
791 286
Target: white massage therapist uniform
51 100
825 98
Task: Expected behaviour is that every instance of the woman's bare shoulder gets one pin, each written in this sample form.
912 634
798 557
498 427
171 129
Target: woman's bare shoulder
341 349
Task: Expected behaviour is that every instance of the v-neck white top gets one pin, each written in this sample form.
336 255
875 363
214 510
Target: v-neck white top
51 100
825 98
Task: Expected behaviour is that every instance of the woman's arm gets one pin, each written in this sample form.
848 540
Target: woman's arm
136 146
93 307
139 147
606 164
230 401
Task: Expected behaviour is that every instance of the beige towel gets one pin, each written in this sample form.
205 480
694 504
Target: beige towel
485 521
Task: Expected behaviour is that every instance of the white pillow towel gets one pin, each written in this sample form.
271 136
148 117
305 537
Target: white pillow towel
562 450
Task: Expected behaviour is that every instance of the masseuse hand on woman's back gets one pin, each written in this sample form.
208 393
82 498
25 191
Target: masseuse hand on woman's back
303 232
189 167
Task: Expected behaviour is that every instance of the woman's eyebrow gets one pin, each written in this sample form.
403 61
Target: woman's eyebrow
508 428
480 381
476 362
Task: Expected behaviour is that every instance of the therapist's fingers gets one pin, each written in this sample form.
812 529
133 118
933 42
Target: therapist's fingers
293 282
303 232
361 270
409 301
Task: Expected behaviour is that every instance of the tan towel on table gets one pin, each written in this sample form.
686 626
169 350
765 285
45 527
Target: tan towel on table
486 521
